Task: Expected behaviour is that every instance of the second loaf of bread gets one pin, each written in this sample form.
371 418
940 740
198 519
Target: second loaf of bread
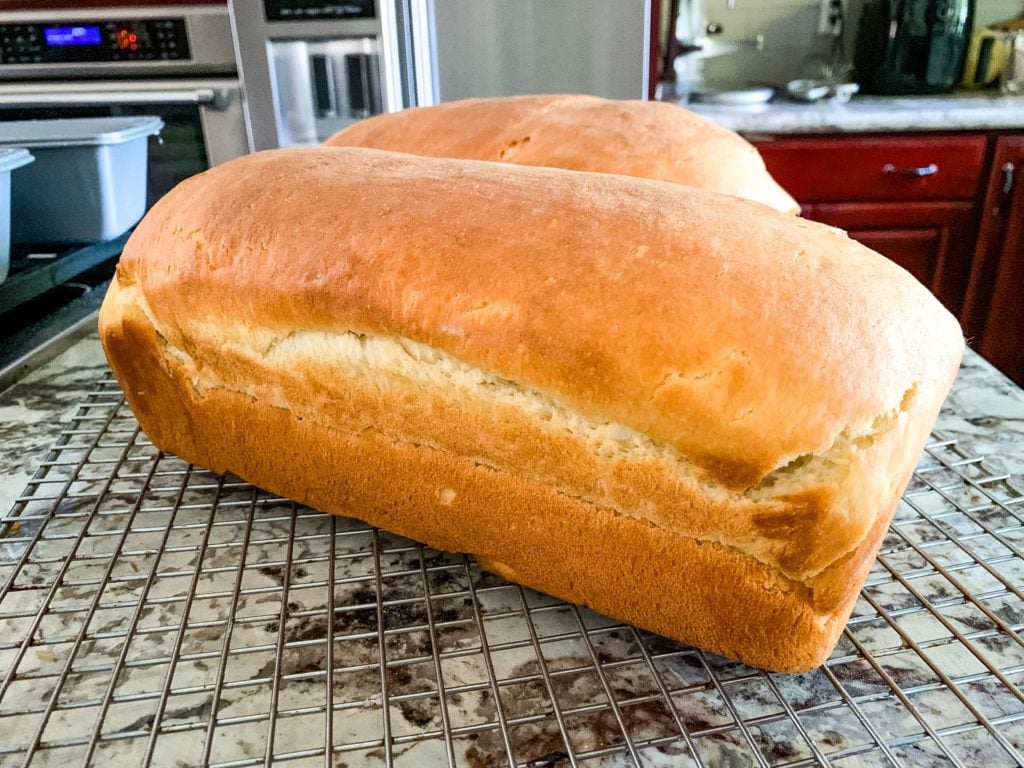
685 410
647 139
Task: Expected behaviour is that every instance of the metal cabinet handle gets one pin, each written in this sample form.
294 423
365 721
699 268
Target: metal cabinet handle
923 170
105 98
1009 171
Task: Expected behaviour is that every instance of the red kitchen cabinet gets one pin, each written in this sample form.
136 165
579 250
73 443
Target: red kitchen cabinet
911 198
916 200
994 312
932 241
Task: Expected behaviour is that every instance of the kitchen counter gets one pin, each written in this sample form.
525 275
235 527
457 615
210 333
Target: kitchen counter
865 114
34 410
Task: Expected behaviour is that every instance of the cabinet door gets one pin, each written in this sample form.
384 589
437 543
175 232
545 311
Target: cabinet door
932 241
994 314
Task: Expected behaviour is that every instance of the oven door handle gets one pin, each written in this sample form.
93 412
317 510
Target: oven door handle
215 98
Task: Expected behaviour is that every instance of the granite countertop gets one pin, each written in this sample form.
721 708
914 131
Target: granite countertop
866 114
34 410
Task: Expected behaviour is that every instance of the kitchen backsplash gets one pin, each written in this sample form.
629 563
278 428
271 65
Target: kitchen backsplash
792 46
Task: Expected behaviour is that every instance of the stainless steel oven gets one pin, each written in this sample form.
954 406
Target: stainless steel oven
174 61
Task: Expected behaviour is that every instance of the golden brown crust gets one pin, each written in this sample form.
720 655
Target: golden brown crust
774 381
684 315
648 139
697 592
332 380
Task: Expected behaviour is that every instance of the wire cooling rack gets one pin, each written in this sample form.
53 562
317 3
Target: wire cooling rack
152 613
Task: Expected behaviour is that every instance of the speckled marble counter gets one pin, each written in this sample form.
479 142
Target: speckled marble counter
33 411
866 114
159 615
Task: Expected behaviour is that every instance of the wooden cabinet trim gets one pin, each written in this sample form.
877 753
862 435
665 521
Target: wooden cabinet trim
995 219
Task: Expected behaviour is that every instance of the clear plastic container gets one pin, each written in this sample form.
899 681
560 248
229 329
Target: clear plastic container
9 160
88 183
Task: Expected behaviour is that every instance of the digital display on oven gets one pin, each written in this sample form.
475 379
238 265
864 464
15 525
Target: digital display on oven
72 35
316 10
107 41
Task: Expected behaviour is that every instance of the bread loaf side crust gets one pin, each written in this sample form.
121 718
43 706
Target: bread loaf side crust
743 338
648 139
696 592
800 524
774 382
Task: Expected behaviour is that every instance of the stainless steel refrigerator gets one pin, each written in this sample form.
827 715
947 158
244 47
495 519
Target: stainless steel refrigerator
311 67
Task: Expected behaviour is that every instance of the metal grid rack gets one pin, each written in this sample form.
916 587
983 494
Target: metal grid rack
154 614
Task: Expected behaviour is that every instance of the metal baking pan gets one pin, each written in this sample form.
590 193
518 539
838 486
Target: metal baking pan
88 183
10 159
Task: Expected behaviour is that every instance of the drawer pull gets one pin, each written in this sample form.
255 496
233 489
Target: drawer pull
1008 170
922 170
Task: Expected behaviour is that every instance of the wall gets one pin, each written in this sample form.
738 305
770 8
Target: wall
792 46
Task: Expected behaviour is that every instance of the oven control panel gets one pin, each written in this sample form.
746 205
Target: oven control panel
88 42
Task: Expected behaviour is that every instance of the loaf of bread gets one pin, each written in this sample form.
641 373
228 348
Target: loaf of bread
649 139
686 410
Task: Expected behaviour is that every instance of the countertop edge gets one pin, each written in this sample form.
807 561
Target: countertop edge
873 115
